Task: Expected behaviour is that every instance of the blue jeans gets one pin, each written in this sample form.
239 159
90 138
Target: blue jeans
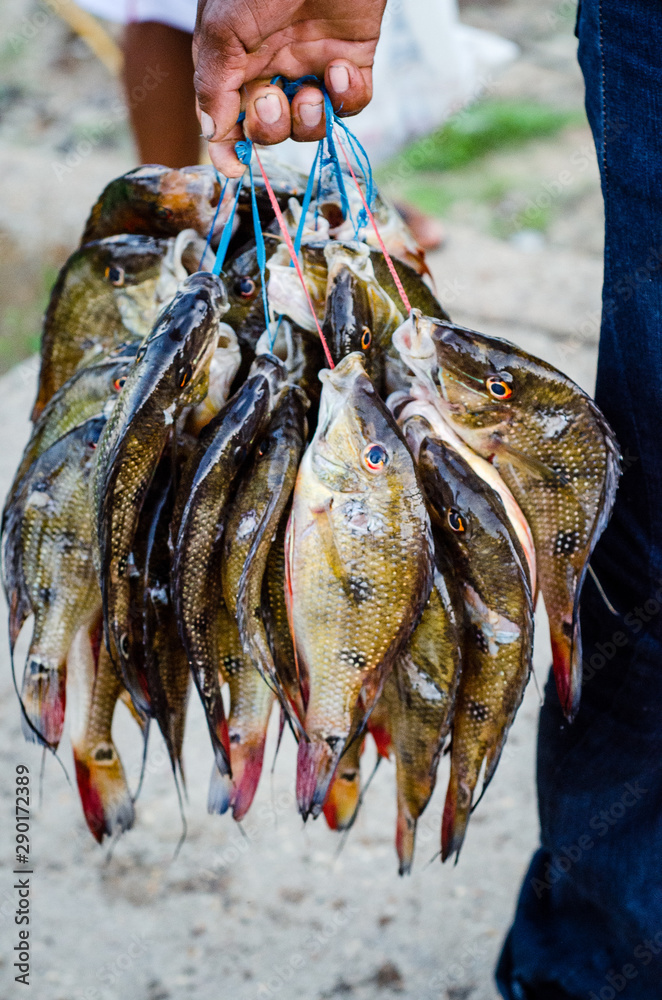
589 918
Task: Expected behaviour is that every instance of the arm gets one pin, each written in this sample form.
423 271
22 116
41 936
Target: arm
240 44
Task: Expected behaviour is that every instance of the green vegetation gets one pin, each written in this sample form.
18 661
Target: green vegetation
482 128
20 325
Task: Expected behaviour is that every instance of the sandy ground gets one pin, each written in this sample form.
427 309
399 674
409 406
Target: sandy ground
275 909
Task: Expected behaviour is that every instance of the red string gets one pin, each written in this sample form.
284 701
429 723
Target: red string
391 267
295 261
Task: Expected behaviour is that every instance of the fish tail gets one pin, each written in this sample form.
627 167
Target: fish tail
316 765
219 798
104 793
567 665
405 835
457 810
343 800
43 694
246 771
382 739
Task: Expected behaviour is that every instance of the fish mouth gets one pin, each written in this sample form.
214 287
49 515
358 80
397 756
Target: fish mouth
338 384
414 343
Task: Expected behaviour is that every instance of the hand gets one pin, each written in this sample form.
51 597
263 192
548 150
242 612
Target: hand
239 45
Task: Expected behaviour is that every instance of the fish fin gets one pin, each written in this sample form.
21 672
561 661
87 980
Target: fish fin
343 799
567 666
316 766
141 720
457 809
104 793
43 694
405 836
325 528
246 770
219 797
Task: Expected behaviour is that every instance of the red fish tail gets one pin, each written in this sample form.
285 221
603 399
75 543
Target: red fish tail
246 769
104 795
343 800
43 694
316 765
567 665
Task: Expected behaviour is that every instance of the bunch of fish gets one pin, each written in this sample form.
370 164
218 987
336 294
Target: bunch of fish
203 497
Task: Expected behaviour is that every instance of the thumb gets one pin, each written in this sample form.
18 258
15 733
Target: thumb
220 63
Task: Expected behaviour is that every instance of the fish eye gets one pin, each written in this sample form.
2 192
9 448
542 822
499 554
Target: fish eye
366 338
263 448
115 275
498 387
141 354
119 383
455 520
375 457
245 287
124 645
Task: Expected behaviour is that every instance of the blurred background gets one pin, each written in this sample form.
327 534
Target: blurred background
275 909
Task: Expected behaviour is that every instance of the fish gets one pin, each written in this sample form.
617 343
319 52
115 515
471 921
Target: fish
162 658
498 611
153 200
274 616
421 400
225 364
108 292
358 565
420 295
90 392
555 451
257 511
48 570
93 690
244 285
302 354
343 799
197 532
419 697
251 702
171 371
359 315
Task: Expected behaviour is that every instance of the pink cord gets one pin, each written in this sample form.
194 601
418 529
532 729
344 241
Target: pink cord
295 261
394 273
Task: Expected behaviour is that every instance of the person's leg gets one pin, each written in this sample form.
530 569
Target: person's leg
589 917
158 79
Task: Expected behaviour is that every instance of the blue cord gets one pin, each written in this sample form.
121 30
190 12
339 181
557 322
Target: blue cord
213 224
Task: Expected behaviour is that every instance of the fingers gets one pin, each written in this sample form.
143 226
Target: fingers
349 87
267 113
308 119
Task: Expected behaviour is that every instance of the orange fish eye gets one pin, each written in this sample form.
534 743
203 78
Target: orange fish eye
375 457
497 387
245 287
119 383
366 338
455 520
115 275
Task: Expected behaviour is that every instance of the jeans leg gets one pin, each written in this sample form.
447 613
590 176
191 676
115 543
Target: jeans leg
589 917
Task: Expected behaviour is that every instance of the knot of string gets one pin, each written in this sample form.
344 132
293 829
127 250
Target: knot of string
245 150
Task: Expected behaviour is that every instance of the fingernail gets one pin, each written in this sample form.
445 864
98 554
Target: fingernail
311 114
207 125
339 79
268 109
